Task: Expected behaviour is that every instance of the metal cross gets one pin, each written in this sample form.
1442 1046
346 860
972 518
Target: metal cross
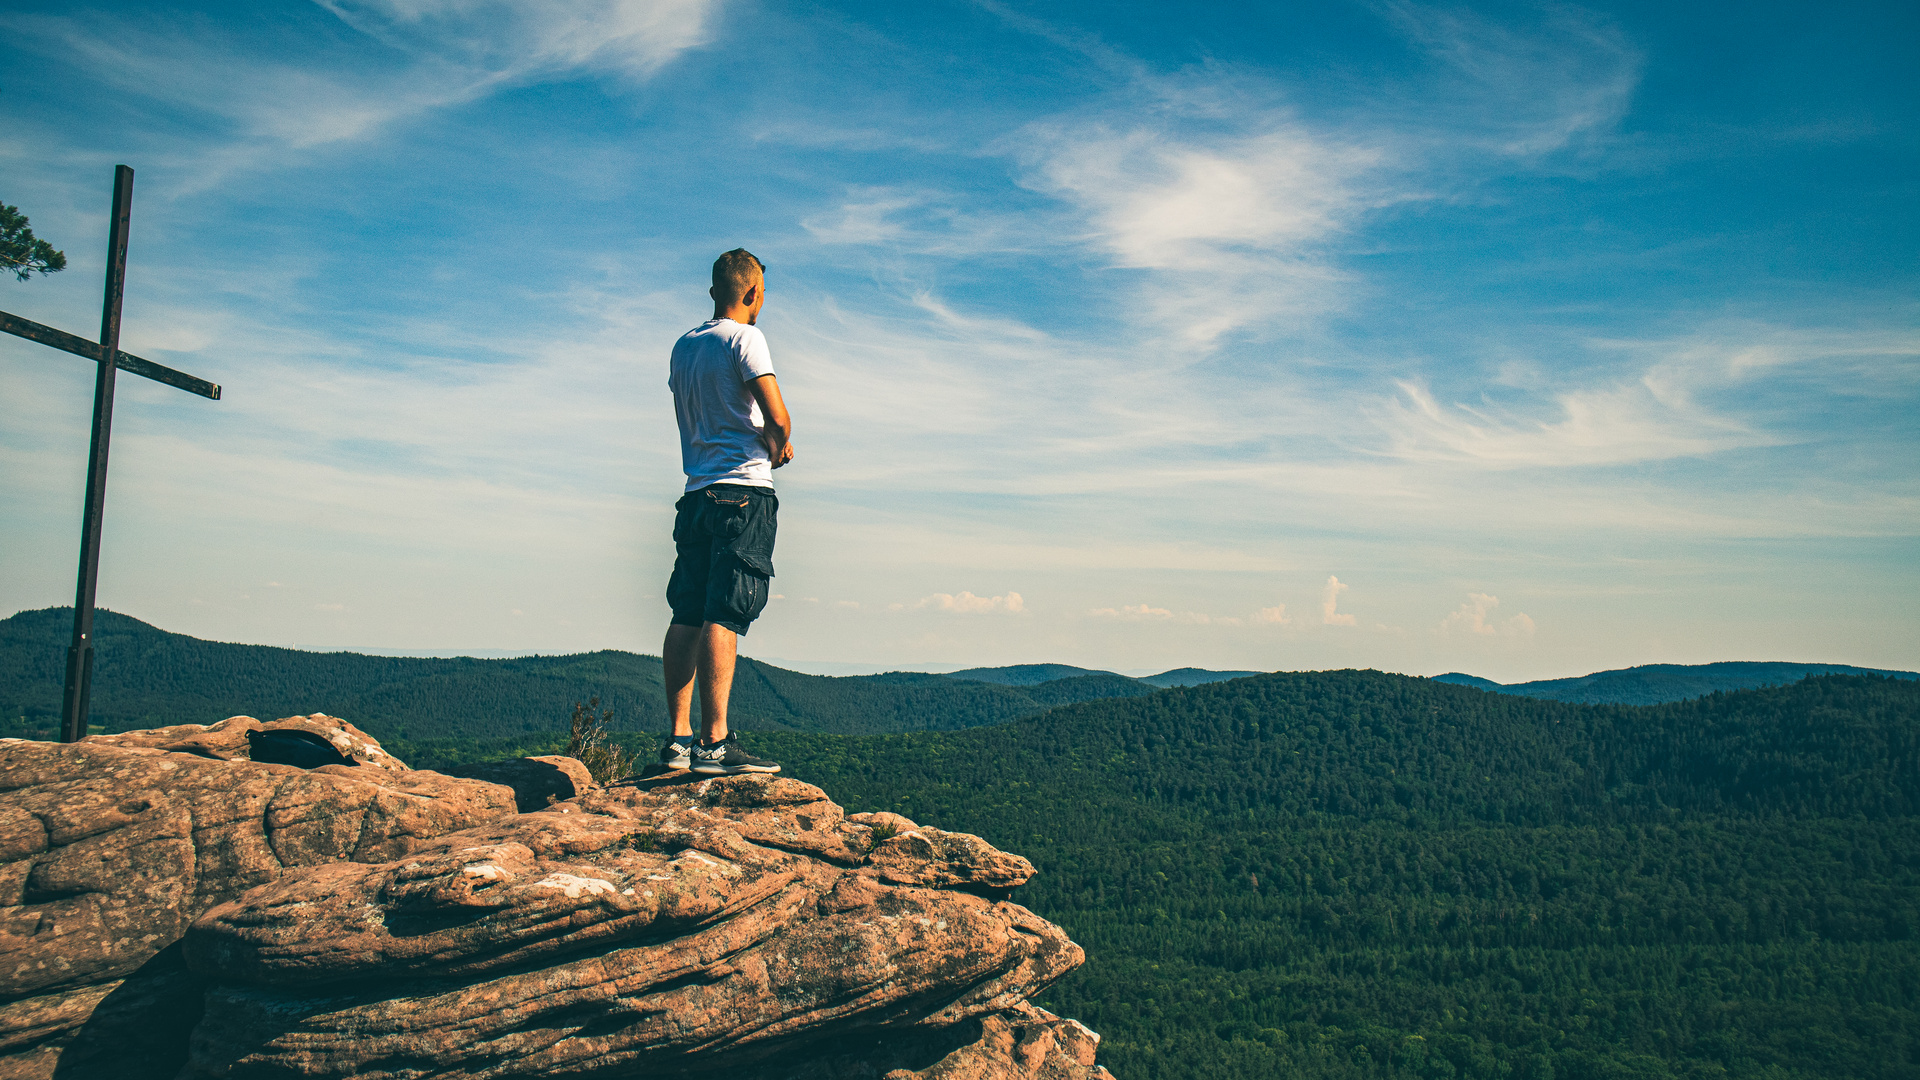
74 699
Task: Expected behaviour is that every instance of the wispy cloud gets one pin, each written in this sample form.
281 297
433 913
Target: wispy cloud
1659 412
1271 616
1094 337
1132 611
1232 227
521 39
1523 89
965 603
1233 204
215 75
1330 603
1472 618
1636 422
431 54
923 221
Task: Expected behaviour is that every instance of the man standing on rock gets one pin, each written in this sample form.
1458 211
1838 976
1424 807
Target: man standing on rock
734 432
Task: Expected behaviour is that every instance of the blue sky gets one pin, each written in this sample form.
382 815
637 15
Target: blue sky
1524 340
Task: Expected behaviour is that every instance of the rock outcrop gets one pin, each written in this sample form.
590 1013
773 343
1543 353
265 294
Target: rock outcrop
537 782
169 906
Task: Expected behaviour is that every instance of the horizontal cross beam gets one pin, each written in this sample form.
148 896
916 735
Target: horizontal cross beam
125 361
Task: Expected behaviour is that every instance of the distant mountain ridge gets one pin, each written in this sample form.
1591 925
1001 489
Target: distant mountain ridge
1025 674
1657 684
149 677
1034 674
1193 676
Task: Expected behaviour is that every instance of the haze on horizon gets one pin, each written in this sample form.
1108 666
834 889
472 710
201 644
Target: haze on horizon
1522 340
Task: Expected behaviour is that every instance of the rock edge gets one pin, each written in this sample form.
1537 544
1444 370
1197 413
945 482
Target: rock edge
382 922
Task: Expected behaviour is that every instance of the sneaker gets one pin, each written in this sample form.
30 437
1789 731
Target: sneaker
726 757
678 752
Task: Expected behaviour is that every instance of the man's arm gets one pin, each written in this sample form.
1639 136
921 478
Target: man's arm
779 426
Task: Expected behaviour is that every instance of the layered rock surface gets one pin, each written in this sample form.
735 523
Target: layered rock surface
369 920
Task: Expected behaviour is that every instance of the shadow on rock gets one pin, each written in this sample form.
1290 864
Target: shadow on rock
136 1030
537 782
373 922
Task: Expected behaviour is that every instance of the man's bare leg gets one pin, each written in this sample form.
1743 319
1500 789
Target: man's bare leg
679 658
718 647
715 654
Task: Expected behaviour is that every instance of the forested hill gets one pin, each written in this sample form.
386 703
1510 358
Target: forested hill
1034 674
1341 874
1026 674
1355 875
1654 684
148 677
1193 676
1372 746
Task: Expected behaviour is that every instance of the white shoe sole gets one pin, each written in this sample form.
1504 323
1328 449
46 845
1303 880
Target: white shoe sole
723 770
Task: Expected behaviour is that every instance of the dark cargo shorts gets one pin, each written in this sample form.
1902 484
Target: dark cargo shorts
723 541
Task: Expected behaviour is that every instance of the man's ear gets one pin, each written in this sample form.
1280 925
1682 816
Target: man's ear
753 290
714 291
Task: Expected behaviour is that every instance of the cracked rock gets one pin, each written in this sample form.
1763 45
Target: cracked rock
393 924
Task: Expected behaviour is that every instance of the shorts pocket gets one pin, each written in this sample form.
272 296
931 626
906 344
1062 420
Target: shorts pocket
747 597
726 512
752 544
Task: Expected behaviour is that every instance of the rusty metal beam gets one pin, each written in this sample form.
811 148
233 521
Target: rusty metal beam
76 697
125 361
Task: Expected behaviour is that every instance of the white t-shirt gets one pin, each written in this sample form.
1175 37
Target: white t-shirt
720 422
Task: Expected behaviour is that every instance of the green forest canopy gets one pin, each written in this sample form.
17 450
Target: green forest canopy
1351 874
147 677
1355 874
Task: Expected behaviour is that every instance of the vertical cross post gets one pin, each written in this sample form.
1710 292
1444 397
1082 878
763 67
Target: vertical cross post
76 696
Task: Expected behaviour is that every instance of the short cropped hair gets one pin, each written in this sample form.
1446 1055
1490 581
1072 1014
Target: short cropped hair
733 273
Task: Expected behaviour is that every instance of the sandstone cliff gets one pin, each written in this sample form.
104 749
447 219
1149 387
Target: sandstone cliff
170 906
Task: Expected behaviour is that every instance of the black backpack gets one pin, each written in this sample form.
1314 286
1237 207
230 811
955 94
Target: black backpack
291 746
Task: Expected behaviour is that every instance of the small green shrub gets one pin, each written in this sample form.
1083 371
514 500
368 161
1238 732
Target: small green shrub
588 743
881 833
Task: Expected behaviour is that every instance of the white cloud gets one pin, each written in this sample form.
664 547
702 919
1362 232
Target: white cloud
1233 202
1132 611
865 218
1661 411
1523 90
966 603
416 428
1273 616
261 99
1641 421
518 39
1161 201
450 52
1232 227
925 221
1471 618
1730 352
1330 600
